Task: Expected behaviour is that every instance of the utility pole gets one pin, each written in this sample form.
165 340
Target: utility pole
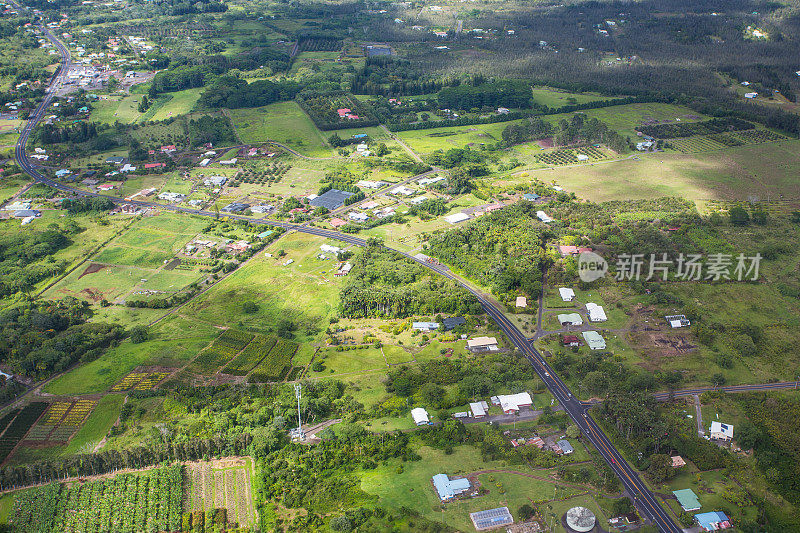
298 395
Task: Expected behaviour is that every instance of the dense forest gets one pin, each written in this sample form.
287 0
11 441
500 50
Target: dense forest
383 283
503 250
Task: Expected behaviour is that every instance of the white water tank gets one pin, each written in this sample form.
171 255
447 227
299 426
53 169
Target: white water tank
580 519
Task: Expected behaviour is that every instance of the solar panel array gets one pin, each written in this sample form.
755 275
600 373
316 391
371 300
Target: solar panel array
491 518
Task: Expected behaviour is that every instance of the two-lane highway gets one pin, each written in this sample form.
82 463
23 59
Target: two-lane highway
644 499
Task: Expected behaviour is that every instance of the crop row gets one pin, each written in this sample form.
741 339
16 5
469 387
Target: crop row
129 381
277 363
222 350
26 418
143 502
251 356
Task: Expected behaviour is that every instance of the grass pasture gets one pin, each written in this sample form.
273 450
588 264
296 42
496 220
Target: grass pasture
411 486
555 98
283 122
769 169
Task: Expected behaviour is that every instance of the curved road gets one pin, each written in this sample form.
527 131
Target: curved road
643 498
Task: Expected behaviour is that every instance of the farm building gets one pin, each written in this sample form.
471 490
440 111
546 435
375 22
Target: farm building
402 191
544 217
566 294
721 431
687 499
453 322
332 199
594 340
571 340
327 248
531 196
522 301
431 180
447 488
25 213
455 218
215 181
479 409
425 326
570 319
510 403
491 518
235 207
678 321
127 167
420 416
115 160
596 312
482 344
357 217
343 269
572 250
713 521
566 447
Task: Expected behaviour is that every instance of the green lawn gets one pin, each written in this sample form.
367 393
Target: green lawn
283 122
412 486
555 98
180 103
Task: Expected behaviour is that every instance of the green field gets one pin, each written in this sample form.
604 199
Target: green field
180 103
765 170
173 343
304 291
555 98
412 486
283 122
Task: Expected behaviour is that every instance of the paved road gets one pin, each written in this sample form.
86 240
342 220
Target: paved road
643 498
760 387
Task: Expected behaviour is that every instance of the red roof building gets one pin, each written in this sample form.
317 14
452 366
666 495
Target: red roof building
154 165
570 340
572 250
338 222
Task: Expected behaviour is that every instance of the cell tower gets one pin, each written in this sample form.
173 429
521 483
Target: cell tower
298 395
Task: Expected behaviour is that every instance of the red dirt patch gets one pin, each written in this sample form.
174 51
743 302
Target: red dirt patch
91 269
93 294
546 143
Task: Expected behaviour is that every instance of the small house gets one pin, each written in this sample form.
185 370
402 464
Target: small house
565 446
522 301
447 488
596 312
453 322
425 326
687 499
420 416
594 340
713 521
570 319
511 403
479 409
721 431
571 340
482 344
566 294
455 218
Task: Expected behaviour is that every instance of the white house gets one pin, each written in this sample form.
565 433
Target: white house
596 312
522 301
750 95
544 217
420 416
721 431
402 191
358 217
566 294
478 409
510 403
570 319
455 218
482 344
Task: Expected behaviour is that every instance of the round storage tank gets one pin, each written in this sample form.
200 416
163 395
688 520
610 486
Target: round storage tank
580 519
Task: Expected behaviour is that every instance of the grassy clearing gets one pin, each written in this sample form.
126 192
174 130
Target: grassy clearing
283 122
181 103
427 141
411 485
304 291
765 170
555 98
